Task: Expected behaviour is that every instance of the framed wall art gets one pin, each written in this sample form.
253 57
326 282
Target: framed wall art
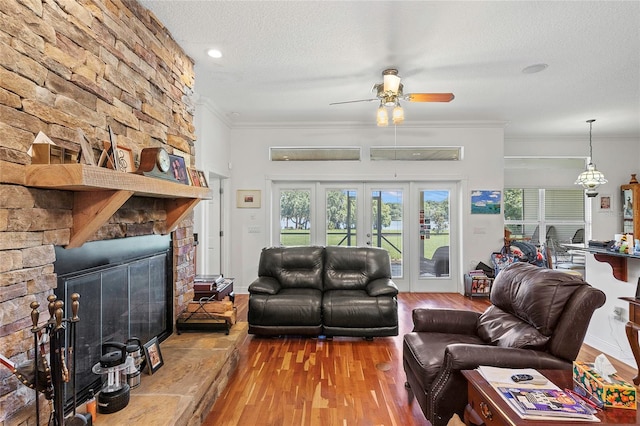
153 356
606 203
248 198
486 202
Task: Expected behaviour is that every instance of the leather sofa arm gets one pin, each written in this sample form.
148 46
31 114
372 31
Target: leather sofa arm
445 321
265 285
382 287
461 356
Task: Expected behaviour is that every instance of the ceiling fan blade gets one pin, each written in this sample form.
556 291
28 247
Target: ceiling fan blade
429 97
350 102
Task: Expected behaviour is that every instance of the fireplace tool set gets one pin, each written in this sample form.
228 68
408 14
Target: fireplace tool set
48 376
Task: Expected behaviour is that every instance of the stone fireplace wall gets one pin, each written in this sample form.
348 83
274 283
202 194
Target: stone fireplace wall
68 65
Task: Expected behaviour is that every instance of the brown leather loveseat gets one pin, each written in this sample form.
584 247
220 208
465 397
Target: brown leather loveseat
538 319
330 291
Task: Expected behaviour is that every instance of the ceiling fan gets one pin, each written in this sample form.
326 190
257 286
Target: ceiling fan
390 92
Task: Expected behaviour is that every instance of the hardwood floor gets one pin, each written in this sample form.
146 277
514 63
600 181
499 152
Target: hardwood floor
311 381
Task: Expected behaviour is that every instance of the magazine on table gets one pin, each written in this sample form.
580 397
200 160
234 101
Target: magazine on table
501 380
533 403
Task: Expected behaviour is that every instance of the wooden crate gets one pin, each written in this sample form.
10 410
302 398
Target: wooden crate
44 153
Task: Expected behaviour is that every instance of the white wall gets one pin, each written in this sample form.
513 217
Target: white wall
212 157
212 143
483 154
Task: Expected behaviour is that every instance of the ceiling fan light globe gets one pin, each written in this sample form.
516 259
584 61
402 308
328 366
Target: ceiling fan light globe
391 83
382 118
398 115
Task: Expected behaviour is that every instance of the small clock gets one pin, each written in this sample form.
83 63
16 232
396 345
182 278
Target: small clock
155 162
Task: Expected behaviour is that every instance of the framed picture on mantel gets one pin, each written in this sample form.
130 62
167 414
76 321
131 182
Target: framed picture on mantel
179 169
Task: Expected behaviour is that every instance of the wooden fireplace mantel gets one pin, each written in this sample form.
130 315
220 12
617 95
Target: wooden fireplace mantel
100 192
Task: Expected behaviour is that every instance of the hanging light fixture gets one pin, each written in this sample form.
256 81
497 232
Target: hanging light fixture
382 118
591 178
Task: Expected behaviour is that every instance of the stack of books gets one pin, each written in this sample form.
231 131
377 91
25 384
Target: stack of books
206 283
537 402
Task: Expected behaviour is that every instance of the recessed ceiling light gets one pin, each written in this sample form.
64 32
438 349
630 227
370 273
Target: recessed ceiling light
214 53
532 69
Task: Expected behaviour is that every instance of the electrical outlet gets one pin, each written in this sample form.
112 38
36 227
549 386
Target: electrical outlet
619 313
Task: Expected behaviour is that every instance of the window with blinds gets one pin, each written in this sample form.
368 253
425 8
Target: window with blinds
539 215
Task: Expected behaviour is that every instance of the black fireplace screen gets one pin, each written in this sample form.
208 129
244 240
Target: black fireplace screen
124 293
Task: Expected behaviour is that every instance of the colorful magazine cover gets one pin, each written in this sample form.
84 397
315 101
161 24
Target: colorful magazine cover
544 402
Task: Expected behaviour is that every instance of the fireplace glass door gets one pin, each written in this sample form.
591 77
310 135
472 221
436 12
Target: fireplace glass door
117 302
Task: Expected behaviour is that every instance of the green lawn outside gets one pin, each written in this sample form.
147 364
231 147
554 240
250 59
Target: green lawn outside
302 238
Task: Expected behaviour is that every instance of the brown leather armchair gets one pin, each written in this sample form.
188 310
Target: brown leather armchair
538 319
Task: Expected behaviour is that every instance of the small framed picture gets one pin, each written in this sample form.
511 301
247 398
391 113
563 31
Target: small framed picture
124 158
194 176
248 198
179 169
153 356
606 202
203 179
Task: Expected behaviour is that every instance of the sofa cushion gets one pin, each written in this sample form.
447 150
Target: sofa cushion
356 309
503 329
289 307
293 267
352 268
533 294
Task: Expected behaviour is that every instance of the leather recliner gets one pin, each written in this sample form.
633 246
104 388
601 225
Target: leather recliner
331 291
538 319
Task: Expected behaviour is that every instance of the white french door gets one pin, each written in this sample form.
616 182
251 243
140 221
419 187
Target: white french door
412 220
385 225
435 232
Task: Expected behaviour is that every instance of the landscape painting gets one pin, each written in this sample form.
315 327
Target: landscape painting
485 202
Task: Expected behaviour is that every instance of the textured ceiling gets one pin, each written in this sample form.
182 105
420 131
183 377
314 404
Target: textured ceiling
284 62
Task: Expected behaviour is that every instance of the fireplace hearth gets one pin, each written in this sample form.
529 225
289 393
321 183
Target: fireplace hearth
125 288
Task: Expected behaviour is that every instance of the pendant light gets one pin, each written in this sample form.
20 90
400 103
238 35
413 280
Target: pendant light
591 178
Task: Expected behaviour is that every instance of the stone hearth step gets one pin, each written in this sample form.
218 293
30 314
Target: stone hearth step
197 367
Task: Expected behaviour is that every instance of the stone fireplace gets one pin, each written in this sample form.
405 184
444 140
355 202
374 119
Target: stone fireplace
125 288
88 65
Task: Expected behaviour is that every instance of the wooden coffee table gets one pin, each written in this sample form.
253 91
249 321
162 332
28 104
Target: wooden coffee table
486 407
